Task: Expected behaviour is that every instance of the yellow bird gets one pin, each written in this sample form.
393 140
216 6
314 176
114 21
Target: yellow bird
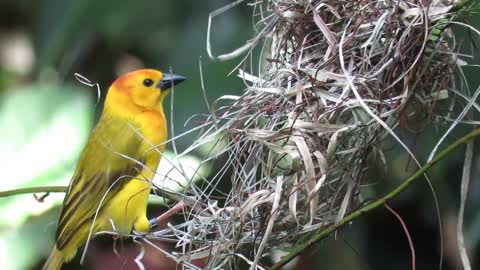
111 184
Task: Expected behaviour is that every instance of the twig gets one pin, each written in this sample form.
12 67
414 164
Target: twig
41 198
59 189
30 190
405 229
295 251
166 215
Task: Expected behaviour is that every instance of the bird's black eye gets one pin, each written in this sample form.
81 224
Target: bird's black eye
147 82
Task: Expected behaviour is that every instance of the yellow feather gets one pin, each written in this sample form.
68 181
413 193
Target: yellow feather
111 184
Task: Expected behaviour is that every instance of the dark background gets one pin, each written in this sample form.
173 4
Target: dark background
46 116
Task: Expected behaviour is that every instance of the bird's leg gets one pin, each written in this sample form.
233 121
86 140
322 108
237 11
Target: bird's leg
172 211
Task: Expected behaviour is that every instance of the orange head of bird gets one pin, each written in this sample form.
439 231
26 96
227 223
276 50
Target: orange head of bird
141 90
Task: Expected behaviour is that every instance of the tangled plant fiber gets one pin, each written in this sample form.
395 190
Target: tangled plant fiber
334 79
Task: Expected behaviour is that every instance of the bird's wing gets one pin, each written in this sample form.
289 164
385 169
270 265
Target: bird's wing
110 159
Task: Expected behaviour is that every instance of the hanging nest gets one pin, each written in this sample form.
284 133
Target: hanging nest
335 79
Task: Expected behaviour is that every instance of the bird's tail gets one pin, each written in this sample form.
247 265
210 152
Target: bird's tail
55 260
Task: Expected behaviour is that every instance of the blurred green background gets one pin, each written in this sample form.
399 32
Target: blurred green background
46 116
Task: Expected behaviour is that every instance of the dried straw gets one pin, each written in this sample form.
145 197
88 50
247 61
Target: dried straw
335 78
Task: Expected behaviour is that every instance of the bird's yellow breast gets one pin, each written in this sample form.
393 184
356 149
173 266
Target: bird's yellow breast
128 208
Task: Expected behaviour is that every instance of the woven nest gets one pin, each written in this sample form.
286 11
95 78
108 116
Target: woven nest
335 79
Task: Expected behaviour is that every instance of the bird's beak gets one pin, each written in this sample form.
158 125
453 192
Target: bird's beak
170 80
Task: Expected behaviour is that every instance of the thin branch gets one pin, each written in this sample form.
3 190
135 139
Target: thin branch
30 190
407 234
295 251
59 189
